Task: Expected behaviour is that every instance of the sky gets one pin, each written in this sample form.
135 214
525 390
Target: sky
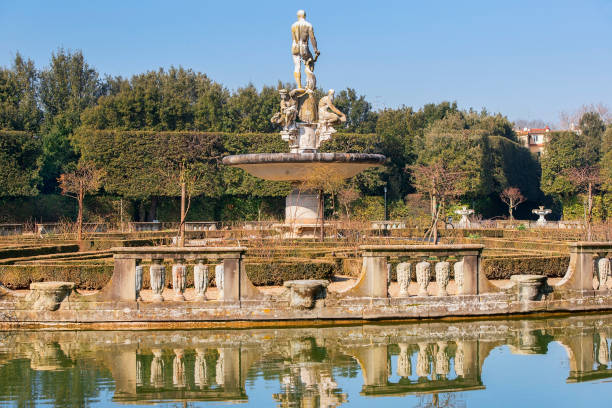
528 60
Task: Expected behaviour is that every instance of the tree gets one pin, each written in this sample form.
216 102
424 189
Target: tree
358 111
512 197
592 128
441 184
19 168
346 197
76 184
564 151
19 97
585 179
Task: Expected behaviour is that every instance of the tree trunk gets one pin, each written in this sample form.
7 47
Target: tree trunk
182 225
80 216
322 215
589 214
152 209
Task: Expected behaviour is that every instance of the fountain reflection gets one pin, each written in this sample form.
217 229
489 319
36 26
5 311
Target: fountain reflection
431 360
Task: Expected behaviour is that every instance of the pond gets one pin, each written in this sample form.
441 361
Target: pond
560 362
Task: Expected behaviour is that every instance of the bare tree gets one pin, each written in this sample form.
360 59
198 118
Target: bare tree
567 119
84 179
346 197
441 185
512 197
586 179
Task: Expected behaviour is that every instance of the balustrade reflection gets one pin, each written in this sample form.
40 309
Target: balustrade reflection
392 360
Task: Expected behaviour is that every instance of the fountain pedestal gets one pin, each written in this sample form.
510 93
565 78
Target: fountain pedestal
302 207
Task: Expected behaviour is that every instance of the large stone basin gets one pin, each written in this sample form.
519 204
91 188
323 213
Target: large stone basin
301 166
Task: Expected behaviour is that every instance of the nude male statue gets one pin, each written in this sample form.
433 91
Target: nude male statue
301 32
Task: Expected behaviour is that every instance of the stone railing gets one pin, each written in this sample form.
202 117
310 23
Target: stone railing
425 260
11 229
126 281
388 225
201 226
589 261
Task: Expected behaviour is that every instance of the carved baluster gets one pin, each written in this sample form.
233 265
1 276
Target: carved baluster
139 371
138 277
157 369
458 269
158 279
178 369
179 279
403 277
460 359
404 365
442 359
602 272
200 279
201 370
219 273
422 369
220 368
442 277
423 269
603 356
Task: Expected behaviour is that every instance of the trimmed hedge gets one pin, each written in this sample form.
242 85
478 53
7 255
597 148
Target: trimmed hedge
88 276
505 267
7 253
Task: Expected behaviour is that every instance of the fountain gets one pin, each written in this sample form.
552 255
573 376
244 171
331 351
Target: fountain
464 222
541 212
305 125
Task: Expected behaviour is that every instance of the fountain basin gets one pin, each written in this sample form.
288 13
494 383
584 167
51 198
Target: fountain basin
302 166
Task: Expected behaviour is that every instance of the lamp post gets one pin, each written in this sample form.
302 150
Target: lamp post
386 212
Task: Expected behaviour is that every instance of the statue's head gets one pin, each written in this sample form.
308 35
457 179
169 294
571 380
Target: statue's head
283 93
301 14
331 93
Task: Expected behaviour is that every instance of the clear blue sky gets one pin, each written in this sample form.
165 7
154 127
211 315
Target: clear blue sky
526 59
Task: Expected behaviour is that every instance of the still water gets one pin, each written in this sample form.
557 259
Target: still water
556 362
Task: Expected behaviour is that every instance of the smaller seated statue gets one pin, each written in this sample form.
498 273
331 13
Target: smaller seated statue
329 115
288 110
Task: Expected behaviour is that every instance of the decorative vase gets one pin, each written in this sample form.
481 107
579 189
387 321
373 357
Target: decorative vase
179 279
423 269
158 279
200 280
403 277
442 277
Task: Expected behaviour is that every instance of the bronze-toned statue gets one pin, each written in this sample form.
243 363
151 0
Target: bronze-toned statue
301 33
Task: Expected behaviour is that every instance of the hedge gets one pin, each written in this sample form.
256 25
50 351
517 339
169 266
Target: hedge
88 276
7 253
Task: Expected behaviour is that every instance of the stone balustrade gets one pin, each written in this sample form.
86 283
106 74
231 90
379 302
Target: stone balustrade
419 263
11 229
589 262
231 279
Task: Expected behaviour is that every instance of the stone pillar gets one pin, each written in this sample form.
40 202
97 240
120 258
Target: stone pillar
200 280
231 280
201 369
458 269
442 360
179 279
122 285
471 267
422 369
302 207
442 277
403 277
219 280
423 269
158 279
377 279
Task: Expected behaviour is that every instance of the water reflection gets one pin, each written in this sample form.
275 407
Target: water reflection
306 367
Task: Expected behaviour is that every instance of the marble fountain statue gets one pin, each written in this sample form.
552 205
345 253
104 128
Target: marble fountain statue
306 123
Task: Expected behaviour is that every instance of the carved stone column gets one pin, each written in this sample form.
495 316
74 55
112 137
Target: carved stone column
200 280
442 360
460 359
423 269
158 279
179 279
603 354
403 277
201 369
442 277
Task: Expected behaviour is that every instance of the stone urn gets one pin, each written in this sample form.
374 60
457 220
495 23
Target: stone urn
158 279
48 295
179 280
423 277
442 277
529 287
200 280
403 277
302 293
